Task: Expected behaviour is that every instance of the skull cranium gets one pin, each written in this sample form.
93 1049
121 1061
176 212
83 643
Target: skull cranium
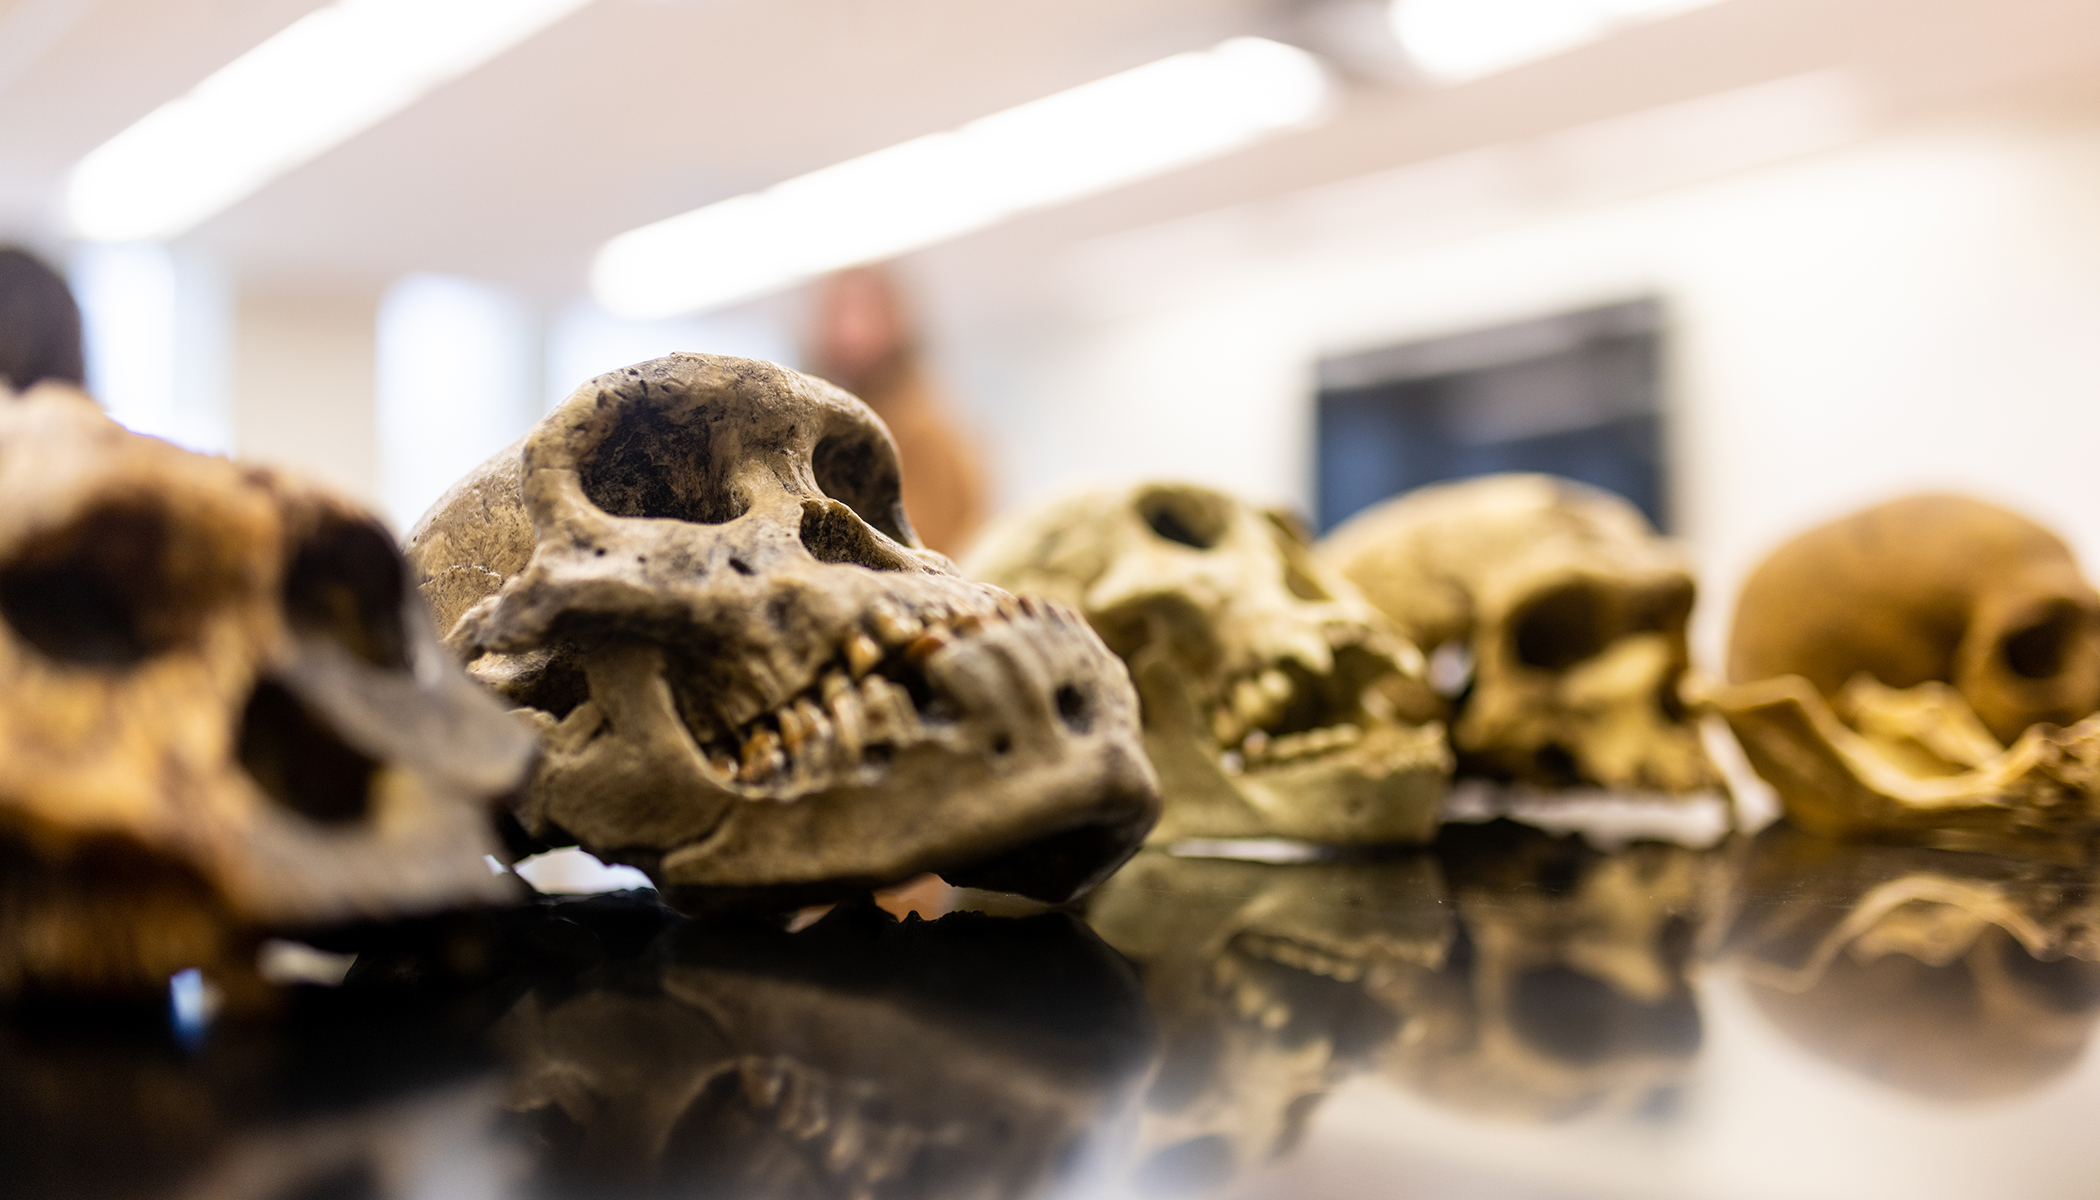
222 712
1571 610
696 578
1276 702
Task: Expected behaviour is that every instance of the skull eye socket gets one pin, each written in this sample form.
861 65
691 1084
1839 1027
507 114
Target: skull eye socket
2040 650
1560 628
858 471
1191 518
299 762
651 464
113 588
345 583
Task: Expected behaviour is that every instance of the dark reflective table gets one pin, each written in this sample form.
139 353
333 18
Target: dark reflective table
1512 1013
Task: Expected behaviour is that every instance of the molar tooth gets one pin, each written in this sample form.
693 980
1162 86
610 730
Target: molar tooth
1288 746
762 757
1249 702
862 653
929 643
836 684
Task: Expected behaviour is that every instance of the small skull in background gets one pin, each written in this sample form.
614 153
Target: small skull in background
1277 703
222 713
1929 588
696 578
1571 611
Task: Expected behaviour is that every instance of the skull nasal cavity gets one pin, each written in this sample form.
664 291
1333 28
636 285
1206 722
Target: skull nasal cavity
1560 628
108 590
2038 651
300 762
345 582
833 534
658 464
859 471
1191 518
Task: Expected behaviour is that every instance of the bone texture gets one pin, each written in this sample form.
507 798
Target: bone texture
1277 702
695 578
222 713
1566 608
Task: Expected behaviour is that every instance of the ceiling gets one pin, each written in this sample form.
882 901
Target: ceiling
632 110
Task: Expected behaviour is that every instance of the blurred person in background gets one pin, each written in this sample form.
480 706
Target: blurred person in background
862 340
39 324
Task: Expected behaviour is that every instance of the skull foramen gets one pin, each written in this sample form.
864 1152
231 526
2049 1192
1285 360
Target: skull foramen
1276 702
1572 611
222 712
696 577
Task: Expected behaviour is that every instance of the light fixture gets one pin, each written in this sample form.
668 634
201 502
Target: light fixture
329 75
1456 40
1077 143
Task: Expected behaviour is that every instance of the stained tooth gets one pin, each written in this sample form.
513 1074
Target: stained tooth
816 727
1276 684
723 764
893 627
1008 606
792 732
862 653
1256 745
891 717
967 625
762 757
928 643
835 685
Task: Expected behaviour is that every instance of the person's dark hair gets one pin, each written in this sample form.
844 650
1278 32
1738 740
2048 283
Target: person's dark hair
39 324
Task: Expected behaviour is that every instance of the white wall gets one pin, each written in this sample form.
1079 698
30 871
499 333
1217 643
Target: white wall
303 385
1918 309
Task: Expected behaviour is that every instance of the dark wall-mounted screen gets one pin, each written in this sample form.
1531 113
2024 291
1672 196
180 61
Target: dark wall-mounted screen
1579 394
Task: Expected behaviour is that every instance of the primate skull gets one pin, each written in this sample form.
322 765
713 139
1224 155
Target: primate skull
1571 612
1929 588
696 580
222 713
1276 702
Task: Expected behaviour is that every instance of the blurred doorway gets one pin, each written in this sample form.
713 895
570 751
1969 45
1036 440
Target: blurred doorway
1578 394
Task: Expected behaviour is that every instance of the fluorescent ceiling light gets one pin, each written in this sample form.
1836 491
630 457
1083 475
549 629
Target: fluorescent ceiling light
1464 39
328 76
1088 140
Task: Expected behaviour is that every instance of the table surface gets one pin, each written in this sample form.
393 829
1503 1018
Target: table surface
1511 1013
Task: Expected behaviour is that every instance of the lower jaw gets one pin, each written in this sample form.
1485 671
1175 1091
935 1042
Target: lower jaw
1388 789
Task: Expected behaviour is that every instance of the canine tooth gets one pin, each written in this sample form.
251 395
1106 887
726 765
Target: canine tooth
928 644
762 757
851 723
862 653
893 627
1276 684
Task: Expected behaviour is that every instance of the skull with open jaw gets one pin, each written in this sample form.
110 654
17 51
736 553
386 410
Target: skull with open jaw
696 578
1277 703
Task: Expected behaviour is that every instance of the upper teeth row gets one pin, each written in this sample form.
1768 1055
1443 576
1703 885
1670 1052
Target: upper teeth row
1249 703
832 726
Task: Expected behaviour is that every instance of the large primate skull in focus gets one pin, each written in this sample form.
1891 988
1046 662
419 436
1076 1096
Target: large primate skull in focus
1906 670
695 577
1276 702
1571 610
222 712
